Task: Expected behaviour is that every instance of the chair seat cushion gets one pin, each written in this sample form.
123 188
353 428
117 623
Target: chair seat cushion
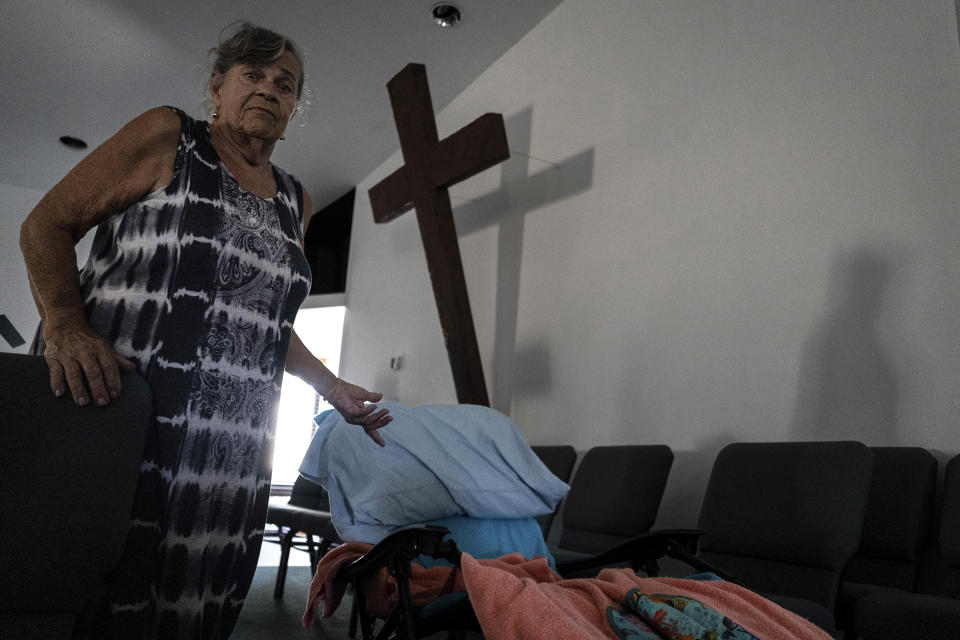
851 593
906 616
300 519
807 609
767 576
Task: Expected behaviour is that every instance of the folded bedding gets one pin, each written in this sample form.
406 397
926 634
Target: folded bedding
440 461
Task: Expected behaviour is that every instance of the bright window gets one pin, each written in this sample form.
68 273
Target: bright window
321 330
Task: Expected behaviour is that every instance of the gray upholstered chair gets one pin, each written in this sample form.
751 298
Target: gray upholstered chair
897 526
67 478
560 459
615 495
785 517
933 614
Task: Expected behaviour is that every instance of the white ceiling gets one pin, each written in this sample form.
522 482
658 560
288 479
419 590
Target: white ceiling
86 67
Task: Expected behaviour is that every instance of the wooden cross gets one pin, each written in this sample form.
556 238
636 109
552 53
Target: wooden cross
431 166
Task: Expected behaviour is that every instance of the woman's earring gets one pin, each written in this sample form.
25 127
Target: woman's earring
283 137
214 115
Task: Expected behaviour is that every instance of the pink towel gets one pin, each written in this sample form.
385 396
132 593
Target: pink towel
518 598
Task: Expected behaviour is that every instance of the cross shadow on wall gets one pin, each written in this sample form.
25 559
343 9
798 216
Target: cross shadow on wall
848 388
526 368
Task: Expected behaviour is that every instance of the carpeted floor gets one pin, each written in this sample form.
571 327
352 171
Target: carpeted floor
263 618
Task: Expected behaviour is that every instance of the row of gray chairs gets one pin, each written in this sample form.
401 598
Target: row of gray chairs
816 526
780 518
784 519
905 580
835 531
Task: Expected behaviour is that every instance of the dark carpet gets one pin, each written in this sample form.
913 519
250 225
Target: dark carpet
264 618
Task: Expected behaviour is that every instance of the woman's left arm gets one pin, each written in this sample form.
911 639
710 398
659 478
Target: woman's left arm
352 401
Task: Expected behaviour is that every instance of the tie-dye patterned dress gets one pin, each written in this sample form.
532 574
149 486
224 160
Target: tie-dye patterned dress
198 284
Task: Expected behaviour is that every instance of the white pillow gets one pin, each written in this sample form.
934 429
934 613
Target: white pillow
440 461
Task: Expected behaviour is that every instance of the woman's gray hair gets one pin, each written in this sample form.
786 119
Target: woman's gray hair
253 44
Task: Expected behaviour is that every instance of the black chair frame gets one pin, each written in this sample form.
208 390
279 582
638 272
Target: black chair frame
397 551
290 538
297 523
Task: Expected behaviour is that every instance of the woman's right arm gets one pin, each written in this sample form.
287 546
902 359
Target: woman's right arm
137 160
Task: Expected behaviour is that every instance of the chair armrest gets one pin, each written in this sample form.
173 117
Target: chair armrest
402 547
643 551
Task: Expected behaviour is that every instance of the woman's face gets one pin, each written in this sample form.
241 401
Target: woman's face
257 99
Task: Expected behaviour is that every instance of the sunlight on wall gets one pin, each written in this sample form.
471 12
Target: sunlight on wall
321 329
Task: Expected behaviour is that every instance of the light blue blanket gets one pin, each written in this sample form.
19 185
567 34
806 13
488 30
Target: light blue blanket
440 461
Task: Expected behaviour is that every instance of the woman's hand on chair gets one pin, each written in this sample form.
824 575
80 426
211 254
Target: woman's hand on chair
82 362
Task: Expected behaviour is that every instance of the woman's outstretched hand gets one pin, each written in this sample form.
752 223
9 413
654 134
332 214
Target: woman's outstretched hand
352 403
82 362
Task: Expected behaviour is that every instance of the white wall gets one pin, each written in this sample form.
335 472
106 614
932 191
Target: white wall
751 233
15 300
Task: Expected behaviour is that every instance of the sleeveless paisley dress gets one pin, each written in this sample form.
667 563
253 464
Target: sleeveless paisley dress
198 284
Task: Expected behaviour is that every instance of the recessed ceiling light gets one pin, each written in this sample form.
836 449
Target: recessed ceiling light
73 143
446 15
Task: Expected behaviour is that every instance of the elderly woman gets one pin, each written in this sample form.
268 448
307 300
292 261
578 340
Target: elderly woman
194 279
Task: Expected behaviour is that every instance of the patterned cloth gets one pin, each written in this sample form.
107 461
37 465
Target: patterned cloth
674 617
198 284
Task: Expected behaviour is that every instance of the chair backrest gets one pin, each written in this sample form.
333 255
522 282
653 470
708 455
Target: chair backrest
560 460
950 528
786 517
899 518
950 513
615 495
309 495
939 573
67 481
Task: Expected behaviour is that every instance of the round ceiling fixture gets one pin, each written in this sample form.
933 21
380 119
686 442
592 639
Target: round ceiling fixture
446 15
73 143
